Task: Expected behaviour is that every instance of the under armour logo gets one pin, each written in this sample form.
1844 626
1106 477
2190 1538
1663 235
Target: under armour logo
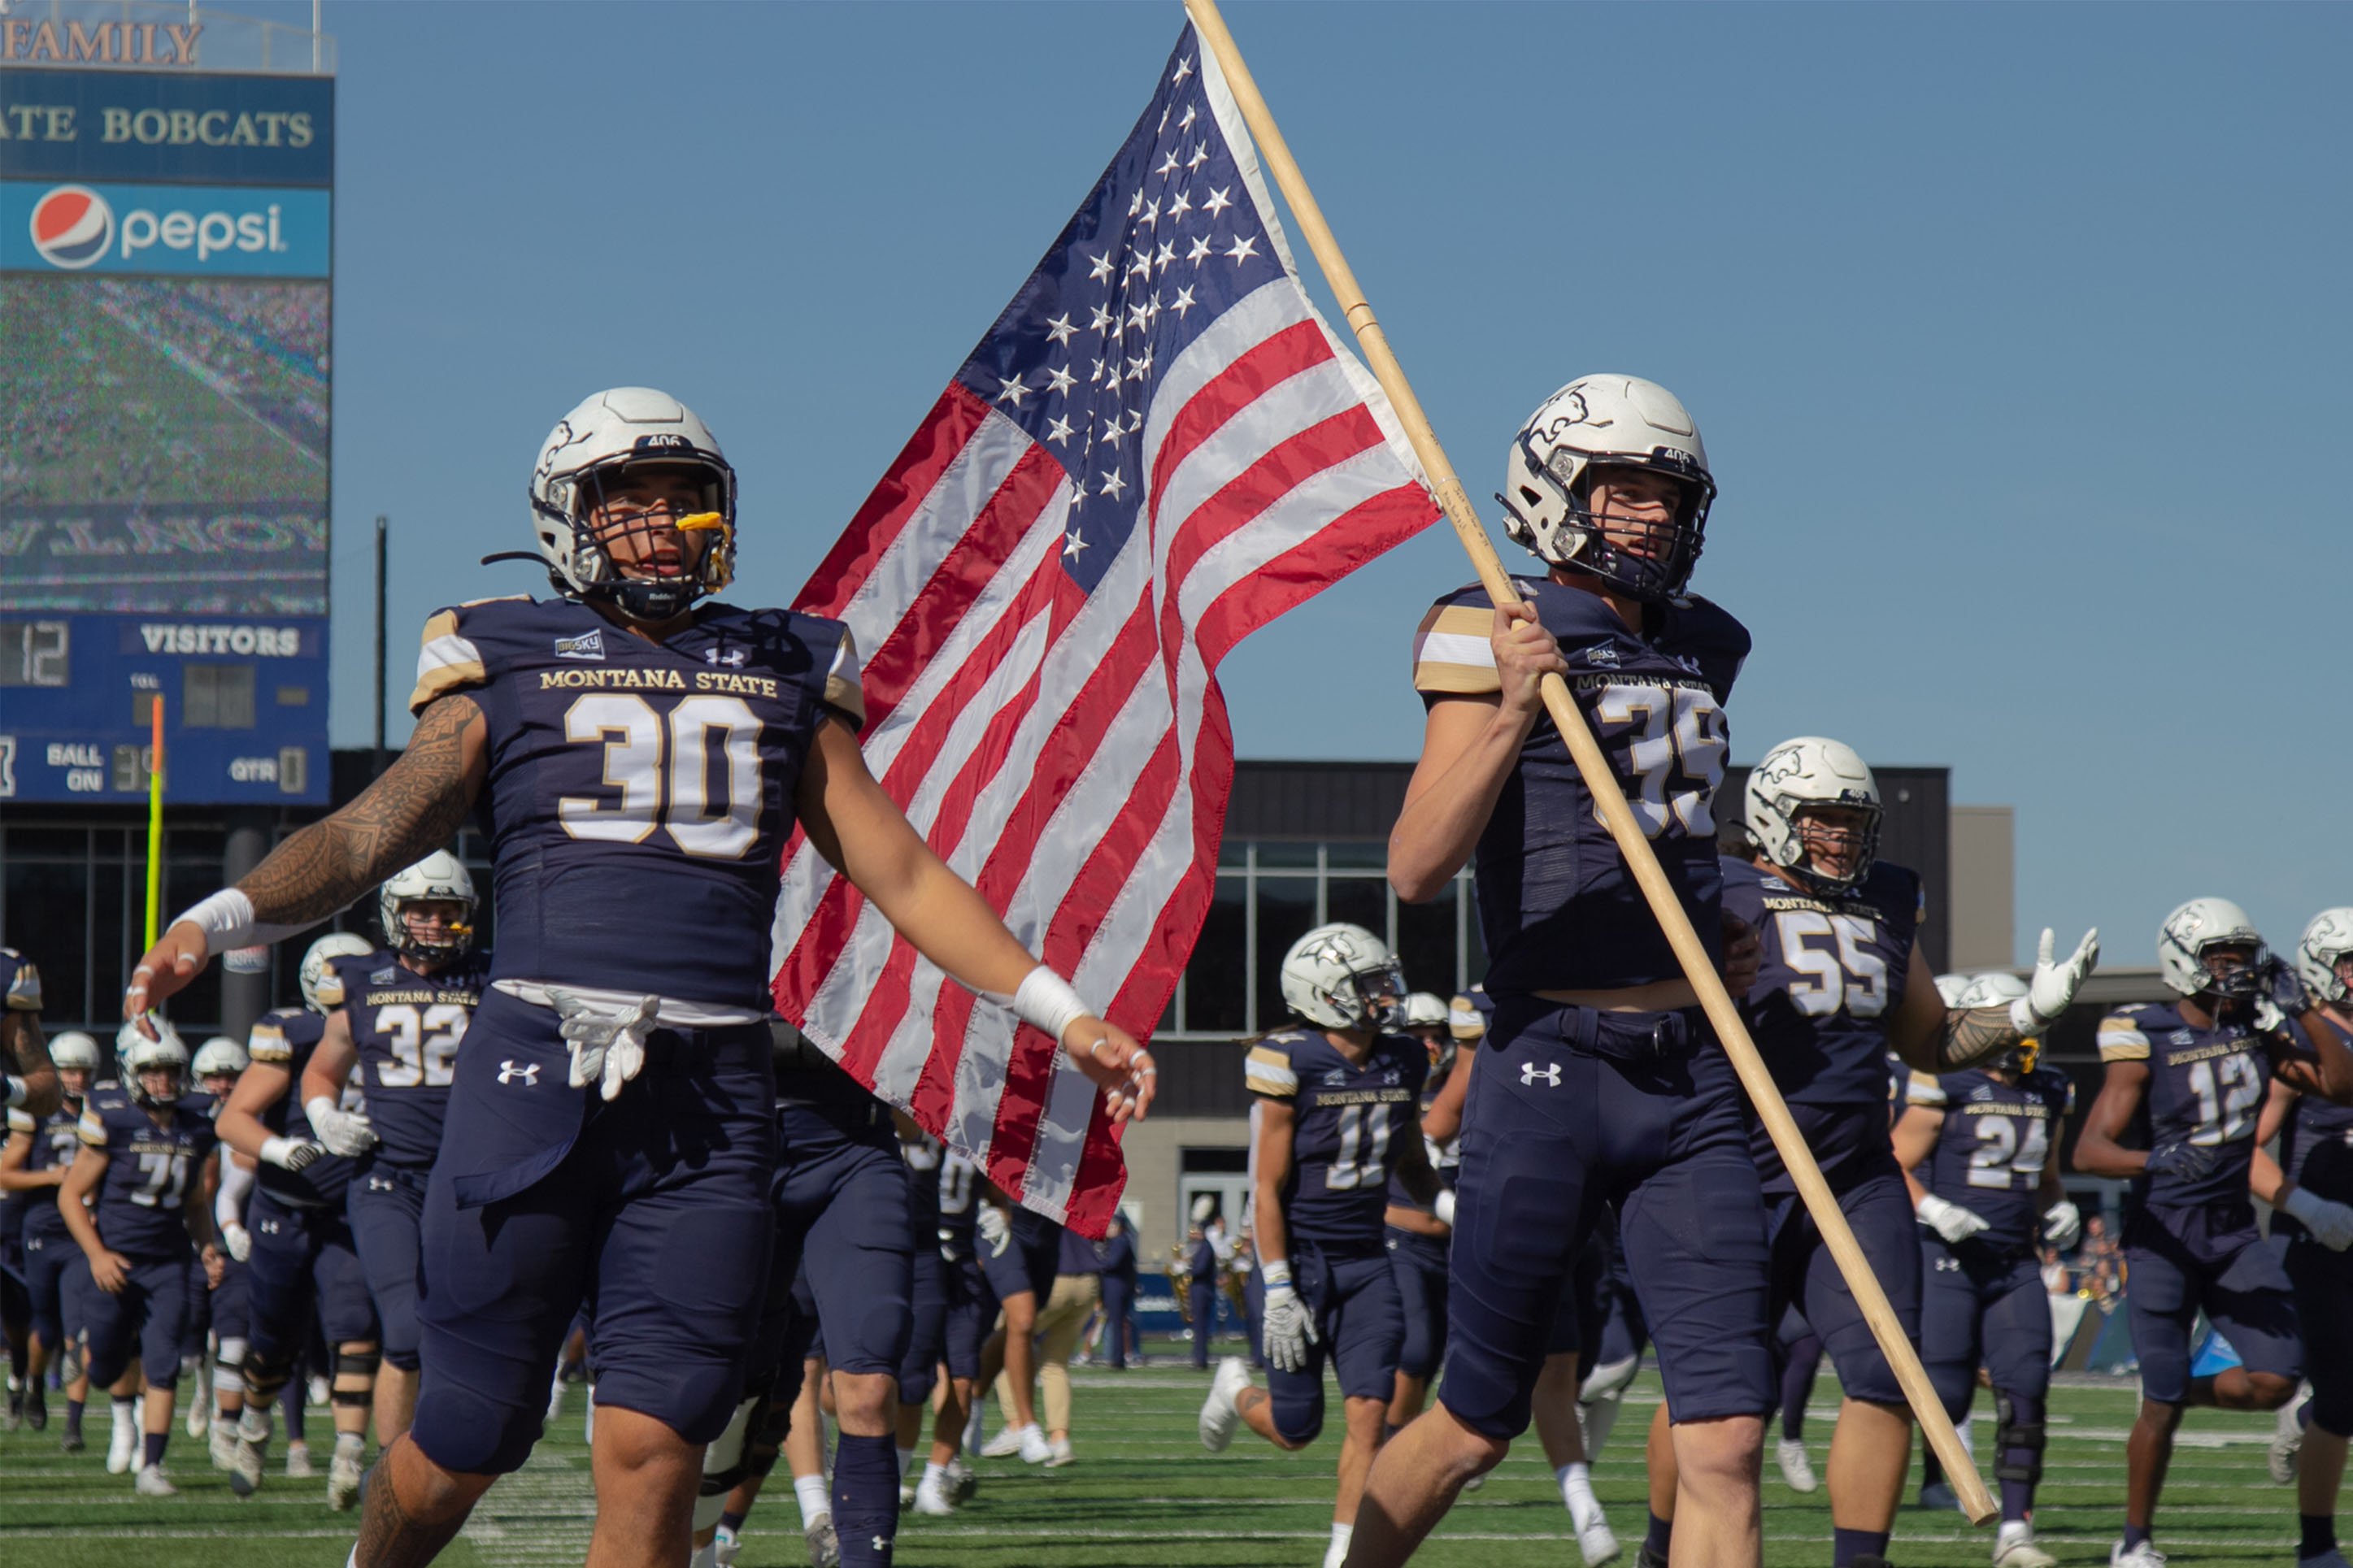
1549 1072
1952 1265
378 1185
509 1072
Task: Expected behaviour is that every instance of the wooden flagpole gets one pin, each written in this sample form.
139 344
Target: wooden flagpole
1602 783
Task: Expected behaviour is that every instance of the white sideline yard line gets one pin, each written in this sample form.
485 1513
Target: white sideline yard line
541 1514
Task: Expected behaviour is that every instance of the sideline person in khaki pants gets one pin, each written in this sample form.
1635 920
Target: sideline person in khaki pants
1078 1286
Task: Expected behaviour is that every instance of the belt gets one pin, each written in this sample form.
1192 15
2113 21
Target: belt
1657 996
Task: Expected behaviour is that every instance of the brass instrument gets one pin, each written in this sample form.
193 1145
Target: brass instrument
1180 1280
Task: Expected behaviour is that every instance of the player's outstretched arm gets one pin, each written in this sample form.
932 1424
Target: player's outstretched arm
863 834
410 811
1932 1039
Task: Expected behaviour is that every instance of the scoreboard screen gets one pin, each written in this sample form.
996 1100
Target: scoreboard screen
167 249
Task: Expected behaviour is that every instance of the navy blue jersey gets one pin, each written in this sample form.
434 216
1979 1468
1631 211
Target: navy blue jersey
2205 1086
1445 1159
959 1203
407 1027
1994 1146
1556 904
640 793
55 1141
922 1159
285 1038
142 1197
1349 1117
1833 975
2315 1150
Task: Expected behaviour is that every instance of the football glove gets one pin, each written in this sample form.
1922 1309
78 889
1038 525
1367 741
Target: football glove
994 1229
608 1042
1949 1220
1289 1330
290 1153
2053 984
238 1240
2279 995
2330 1223
2181 1159
2063 1225
345 1132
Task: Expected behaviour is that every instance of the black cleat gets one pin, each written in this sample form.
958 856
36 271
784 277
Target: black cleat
1646 1558
36 1408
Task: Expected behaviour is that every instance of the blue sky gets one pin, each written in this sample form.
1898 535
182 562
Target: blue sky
2017 335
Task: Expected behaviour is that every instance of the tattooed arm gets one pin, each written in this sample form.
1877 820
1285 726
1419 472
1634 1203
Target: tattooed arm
408 813
1932 1039
25 1059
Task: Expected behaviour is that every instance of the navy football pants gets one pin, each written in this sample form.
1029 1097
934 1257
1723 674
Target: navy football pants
2180 1260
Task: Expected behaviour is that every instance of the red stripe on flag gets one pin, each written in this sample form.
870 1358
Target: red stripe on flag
910 478
1373 525
1283 468
1269 363
972 563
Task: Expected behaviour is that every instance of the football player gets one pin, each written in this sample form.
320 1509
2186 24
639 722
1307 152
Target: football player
218 1065
1974 1146
1337 1106
28 1079
2311 1186
1416 1239
396 1019
1597 1080
34 1166
145 1157
641 757
1020 1252
2201 1063
948 1479
919 1369
1843 983
296 1238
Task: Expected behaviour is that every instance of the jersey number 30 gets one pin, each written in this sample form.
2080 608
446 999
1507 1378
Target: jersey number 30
662 770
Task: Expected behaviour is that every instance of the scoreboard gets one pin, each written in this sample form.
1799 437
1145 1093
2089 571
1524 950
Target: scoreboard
166 248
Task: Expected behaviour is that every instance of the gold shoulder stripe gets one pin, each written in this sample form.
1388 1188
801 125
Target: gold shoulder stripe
1922 1089
2121 1042
1456 680
844 685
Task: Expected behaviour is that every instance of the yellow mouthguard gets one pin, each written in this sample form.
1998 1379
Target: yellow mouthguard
699 521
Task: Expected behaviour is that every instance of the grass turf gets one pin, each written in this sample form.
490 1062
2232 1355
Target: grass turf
1144 1493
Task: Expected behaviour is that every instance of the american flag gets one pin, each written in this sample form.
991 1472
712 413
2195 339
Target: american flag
1159 448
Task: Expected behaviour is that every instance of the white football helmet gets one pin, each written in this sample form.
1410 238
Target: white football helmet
135 1054
1805 772
220 1055
323 951
584 453
1612 420
72 1051
440 876
2319 957
2201 924
1341 976
1424 1011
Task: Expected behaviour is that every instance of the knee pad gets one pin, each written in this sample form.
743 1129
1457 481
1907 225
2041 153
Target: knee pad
1608 1380
2018 1436
356 1368
228 1368
267 1371
1299 1419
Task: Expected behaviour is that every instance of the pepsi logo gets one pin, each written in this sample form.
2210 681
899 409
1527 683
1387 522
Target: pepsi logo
72 225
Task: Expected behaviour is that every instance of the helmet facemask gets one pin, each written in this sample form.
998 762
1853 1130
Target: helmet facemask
403 939
596 492
1865 854
2231 976
1653 566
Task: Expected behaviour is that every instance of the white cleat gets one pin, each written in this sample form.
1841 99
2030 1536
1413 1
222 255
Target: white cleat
1004 1445
1796 1469
343 1476
2281 1459
1939 1494
153 1482
298 1462
2016 1547
202 1402
824 1545
1220 1414
555 1401
929 1500
252 1457
1035 1449
726 1547
1598 1543
222 1443
121 1444
2141 1556
1061 1454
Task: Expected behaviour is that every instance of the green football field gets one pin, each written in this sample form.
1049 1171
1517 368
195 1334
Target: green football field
1142 1492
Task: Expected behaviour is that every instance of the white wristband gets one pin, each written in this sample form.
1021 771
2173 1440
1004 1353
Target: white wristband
1046 1001
1274 1273
1443 1210
226 920
2029 1024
